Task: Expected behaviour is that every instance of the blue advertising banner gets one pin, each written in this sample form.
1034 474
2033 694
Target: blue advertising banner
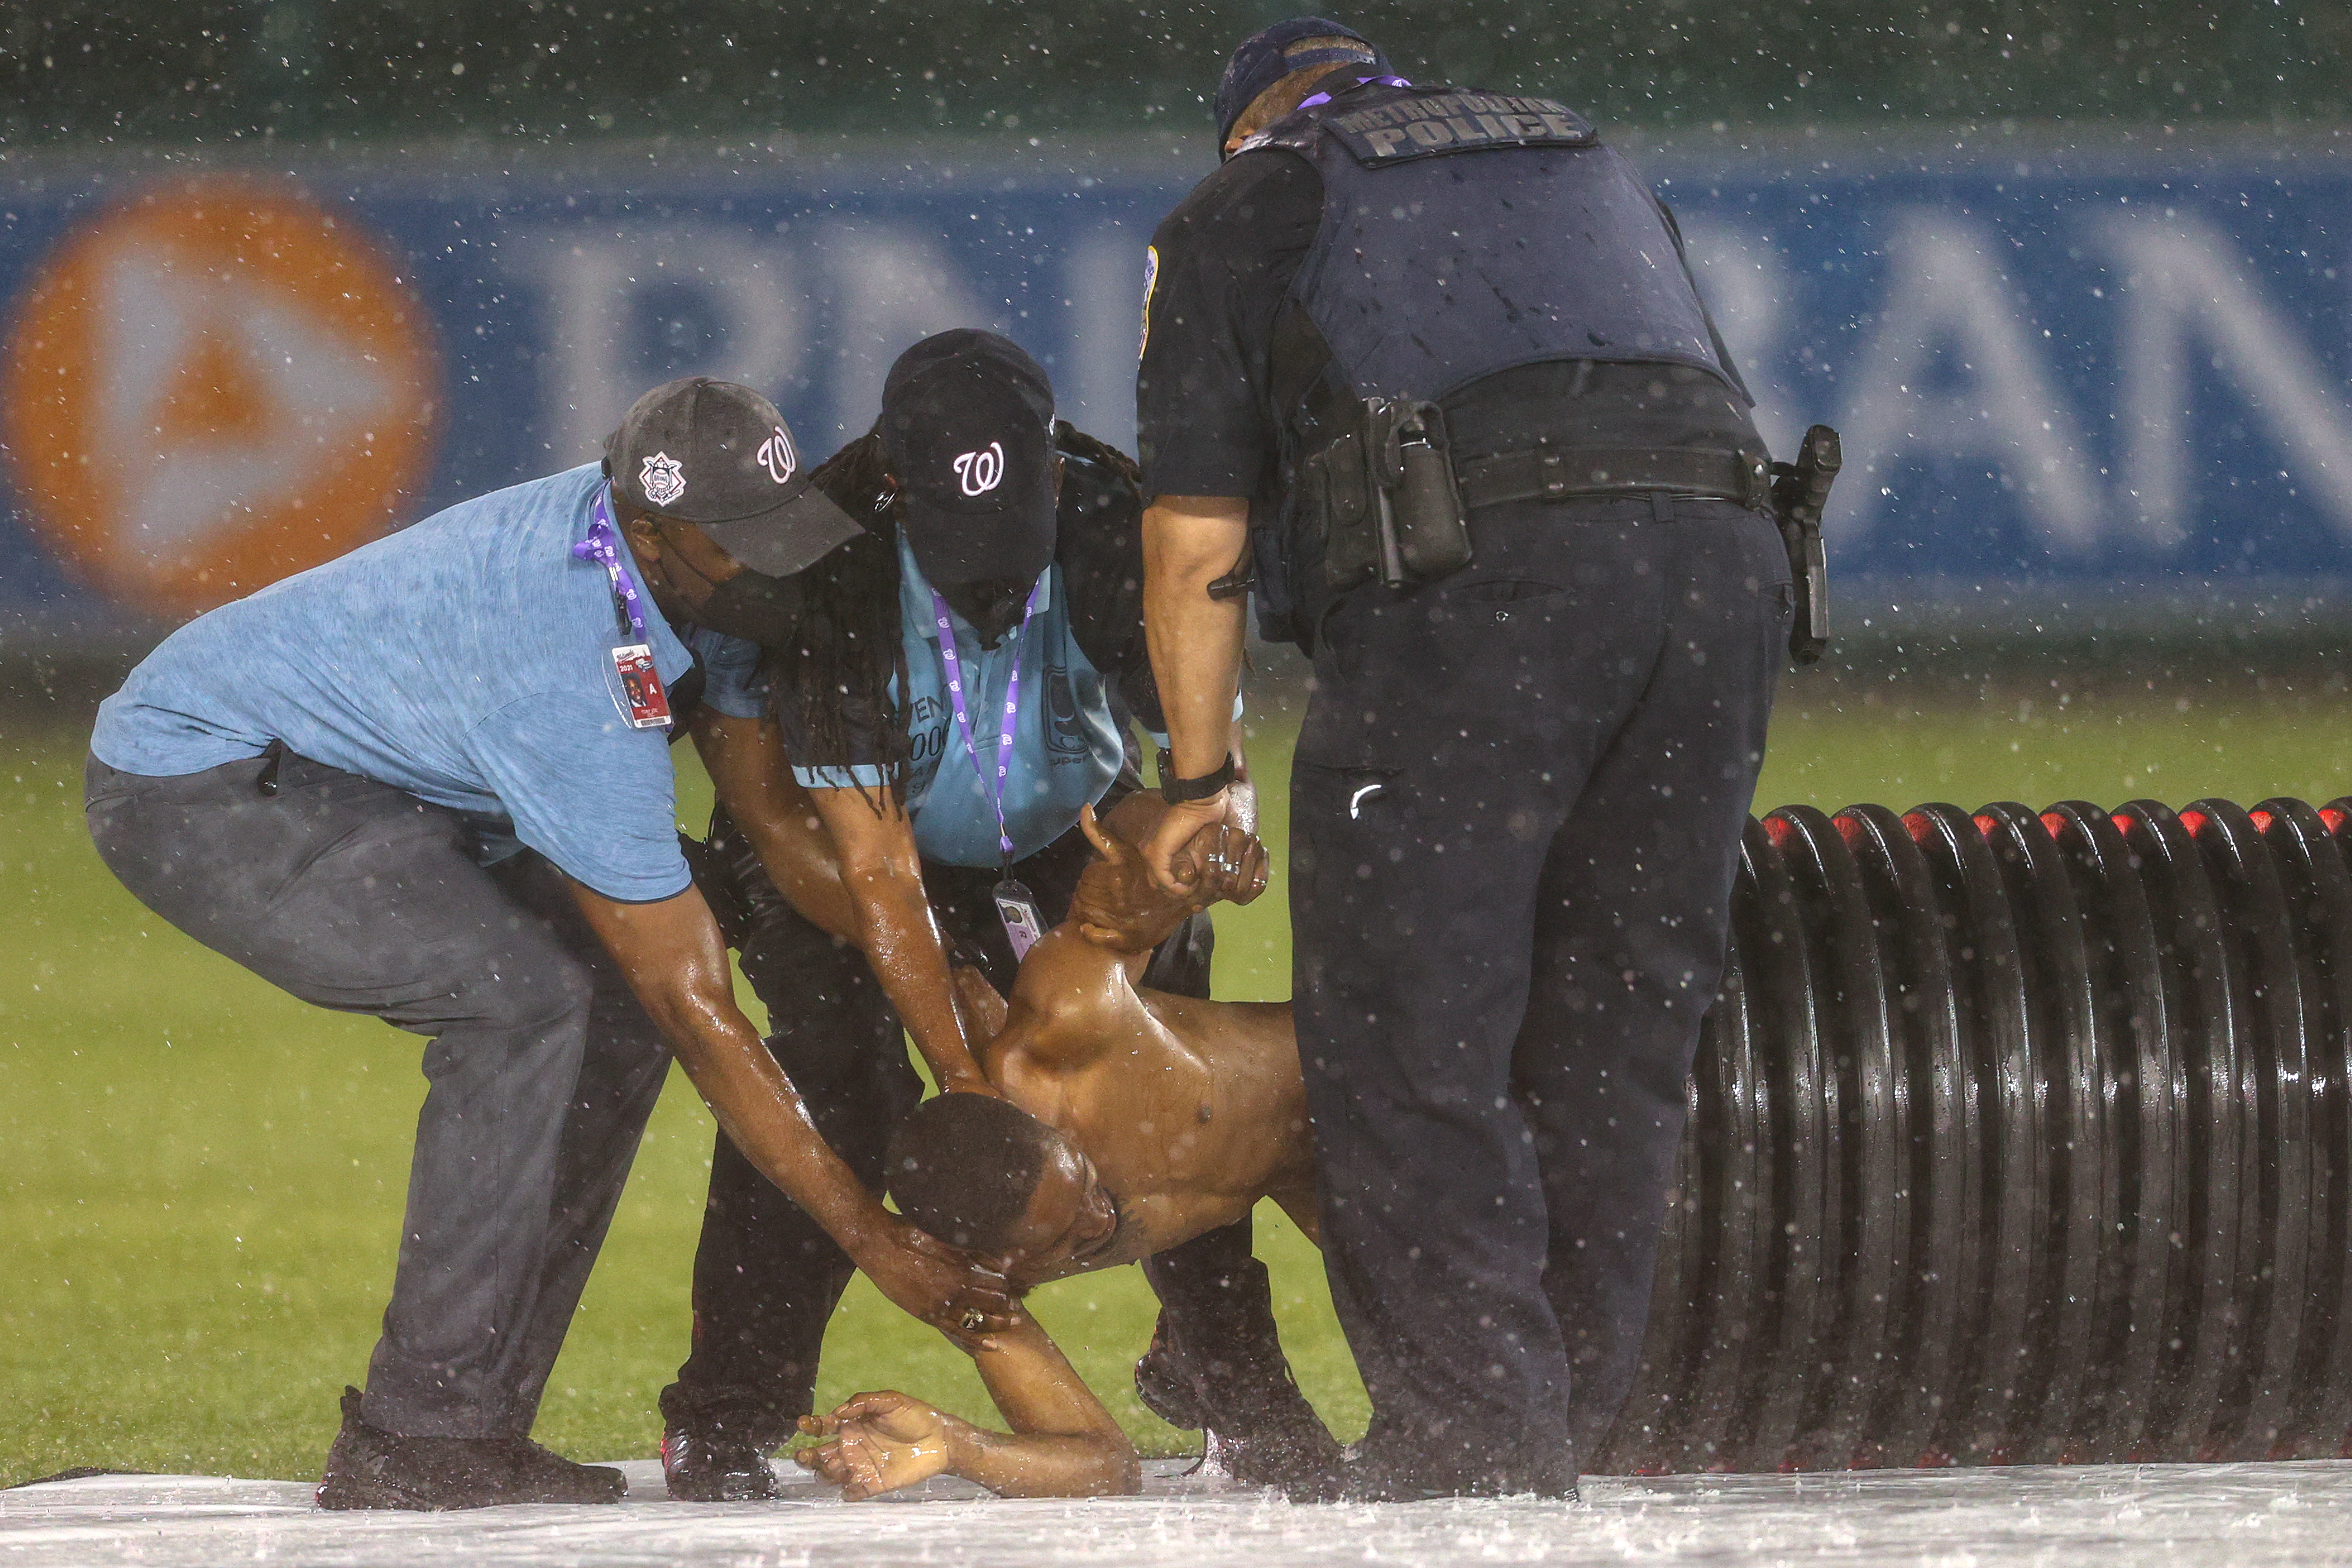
2046 372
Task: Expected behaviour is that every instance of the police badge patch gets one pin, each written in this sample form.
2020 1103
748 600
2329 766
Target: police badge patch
663 478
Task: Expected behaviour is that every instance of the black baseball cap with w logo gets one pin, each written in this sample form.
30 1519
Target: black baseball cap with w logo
968 427
717 456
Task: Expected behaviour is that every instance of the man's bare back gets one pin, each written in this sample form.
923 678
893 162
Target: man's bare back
1188 1110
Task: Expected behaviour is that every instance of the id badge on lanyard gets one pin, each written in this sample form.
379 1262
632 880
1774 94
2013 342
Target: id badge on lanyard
1017 908
1016 905
641 700
643 703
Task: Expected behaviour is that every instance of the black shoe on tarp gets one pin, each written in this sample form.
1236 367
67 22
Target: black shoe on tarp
535 1474
1255 1427
712 1465
1372 1477
369 1467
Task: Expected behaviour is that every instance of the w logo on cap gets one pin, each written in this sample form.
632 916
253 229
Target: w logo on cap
776 455
977 473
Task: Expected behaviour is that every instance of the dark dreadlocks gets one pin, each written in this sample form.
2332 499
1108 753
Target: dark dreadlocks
835 675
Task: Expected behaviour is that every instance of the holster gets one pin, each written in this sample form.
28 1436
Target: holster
1382 488
1801 491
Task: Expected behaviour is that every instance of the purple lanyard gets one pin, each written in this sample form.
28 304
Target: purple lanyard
602 546
1361 81
954 662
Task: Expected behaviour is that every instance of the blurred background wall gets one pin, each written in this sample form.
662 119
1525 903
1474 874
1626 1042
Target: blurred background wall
279 275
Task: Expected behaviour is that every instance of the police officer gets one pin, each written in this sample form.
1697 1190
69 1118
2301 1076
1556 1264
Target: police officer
430 780
961 688
1533 734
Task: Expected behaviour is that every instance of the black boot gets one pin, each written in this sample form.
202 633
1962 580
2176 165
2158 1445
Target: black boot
1216 1366
370 1468
710 1464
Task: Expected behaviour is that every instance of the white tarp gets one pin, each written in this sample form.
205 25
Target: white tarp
2172 1517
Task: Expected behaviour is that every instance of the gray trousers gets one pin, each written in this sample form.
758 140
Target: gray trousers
542 1068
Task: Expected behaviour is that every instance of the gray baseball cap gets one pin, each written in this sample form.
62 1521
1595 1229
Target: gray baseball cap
717 456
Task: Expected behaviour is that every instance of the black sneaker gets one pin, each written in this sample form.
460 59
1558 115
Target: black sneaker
713 1465
1259 1430
370 1468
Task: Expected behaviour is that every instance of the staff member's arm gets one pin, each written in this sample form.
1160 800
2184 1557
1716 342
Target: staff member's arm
1189 542
853 872
671 953
753 779
896 929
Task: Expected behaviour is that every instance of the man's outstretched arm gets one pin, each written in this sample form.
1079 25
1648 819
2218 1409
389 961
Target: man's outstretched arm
1062 1442
672 956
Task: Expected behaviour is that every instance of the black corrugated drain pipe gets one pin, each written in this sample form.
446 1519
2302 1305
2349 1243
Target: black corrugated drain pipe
2015 1137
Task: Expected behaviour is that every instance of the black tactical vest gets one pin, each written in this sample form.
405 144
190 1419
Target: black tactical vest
1464 233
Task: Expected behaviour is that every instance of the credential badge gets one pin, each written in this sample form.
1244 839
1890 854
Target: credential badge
663 478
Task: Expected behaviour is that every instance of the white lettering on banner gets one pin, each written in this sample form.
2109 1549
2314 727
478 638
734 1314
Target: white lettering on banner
1946 294
1746 284
607 293
2182 279
892 286
1094 381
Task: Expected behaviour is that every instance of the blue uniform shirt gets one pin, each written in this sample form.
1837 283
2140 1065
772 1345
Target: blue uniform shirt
1066 747
466 659
731 681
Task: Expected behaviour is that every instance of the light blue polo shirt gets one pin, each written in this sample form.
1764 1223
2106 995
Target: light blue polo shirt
466 659
732 682
1066 749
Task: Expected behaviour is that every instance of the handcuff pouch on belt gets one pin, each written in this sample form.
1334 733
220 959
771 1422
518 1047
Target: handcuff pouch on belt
1383 486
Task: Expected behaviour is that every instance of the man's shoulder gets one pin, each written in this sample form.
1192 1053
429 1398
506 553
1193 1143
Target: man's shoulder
1245 192
551 496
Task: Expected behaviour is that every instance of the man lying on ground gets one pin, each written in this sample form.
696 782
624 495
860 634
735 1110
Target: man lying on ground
1132 1121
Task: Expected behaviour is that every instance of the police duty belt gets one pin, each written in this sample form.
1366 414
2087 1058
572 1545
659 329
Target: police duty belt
1570 473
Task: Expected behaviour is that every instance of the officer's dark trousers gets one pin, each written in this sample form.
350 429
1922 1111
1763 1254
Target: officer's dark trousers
767 1276
1515 813
542 1068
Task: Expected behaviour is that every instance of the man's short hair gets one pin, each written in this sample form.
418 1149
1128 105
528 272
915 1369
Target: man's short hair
964 1167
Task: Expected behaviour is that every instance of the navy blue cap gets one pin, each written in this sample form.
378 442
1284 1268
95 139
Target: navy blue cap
1267 56
967 427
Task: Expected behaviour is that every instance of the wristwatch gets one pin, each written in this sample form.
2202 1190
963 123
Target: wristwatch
1176 791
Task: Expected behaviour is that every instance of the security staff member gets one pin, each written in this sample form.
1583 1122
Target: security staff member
1531 743
959 690
430 780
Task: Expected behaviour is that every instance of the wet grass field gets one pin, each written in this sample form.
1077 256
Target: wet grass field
201 1178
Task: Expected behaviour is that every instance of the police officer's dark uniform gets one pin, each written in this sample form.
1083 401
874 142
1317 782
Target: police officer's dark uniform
1520 784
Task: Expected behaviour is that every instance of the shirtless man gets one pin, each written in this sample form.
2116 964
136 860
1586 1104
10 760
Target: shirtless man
1137 1120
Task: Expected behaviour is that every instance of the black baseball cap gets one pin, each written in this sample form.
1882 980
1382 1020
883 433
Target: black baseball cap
717 456
968 427
1268 55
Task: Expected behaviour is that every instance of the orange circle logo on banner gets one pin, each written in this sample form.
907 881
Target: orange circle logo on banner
213 385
